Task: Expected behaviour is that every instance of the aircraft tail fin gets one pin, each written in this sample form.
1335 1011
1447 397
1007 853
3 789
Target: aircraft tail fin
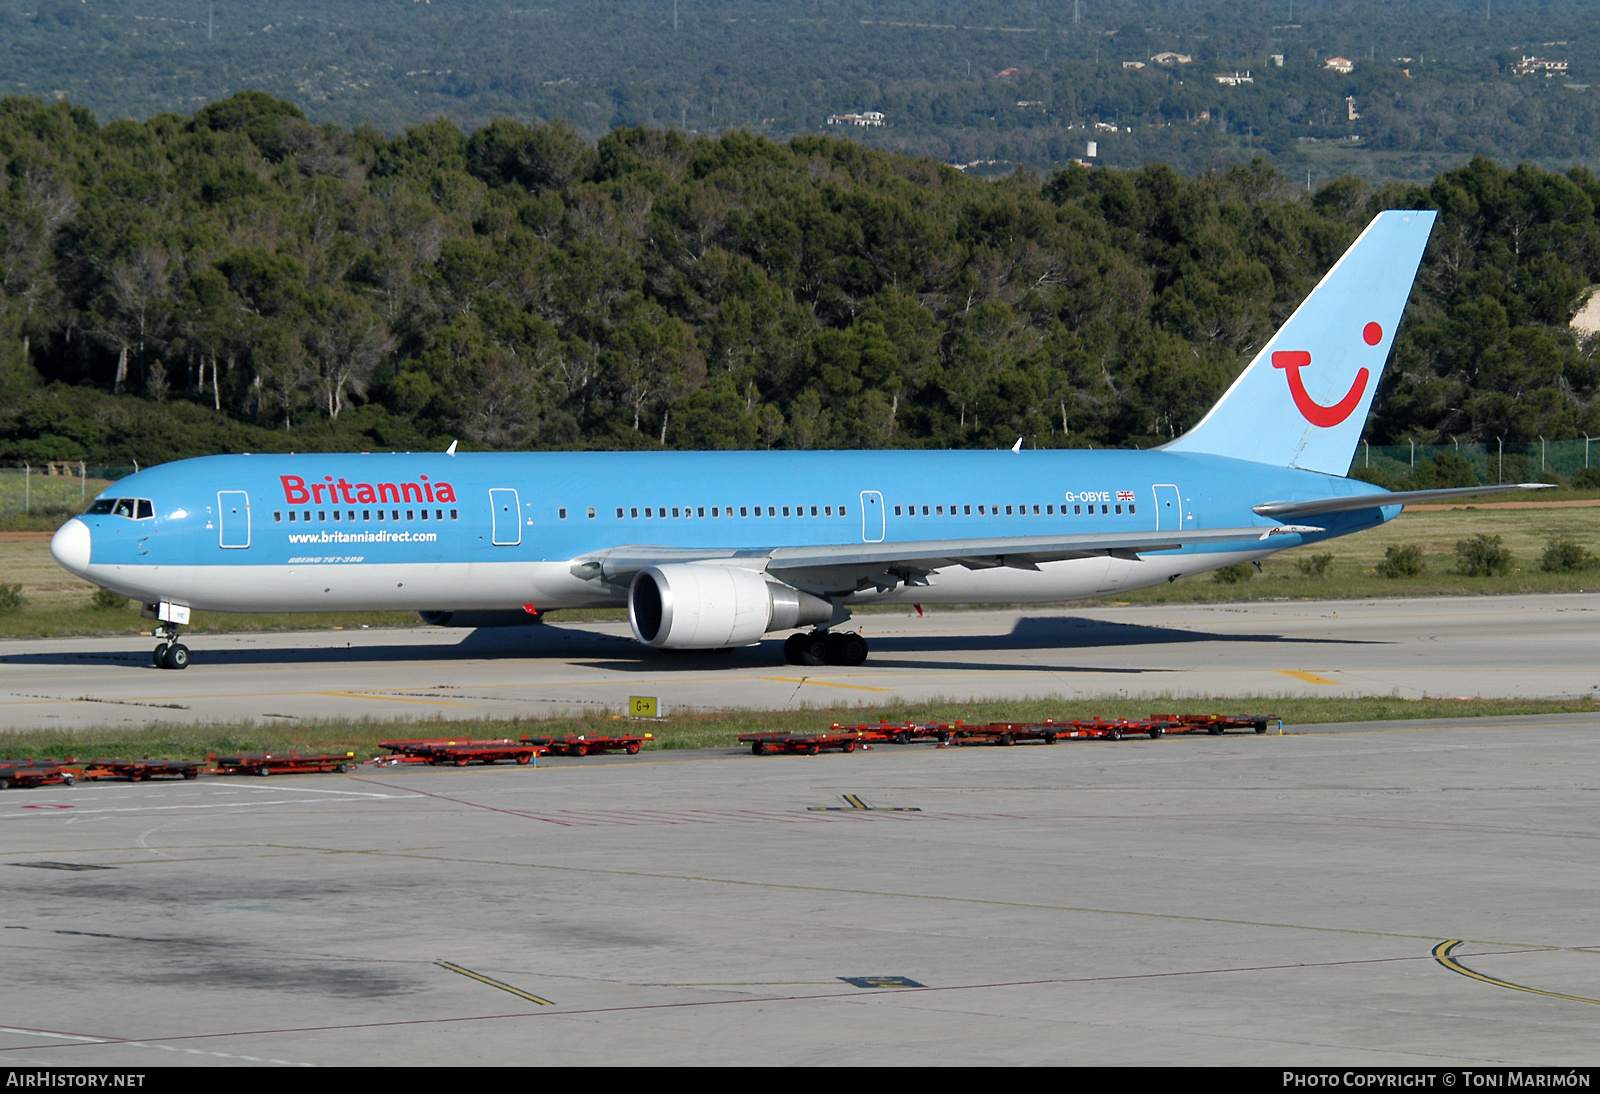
1303 401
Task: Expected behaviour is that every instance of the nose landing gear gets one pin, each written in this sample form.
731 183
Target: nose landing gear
824 648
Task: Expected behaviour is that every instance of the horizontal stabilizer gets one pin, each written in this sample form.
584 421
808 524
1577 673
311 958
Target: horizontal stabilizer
1374 501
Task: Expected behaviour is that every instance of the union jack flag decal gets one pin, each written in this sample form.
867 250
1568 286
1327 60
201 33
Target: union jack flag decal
1124 495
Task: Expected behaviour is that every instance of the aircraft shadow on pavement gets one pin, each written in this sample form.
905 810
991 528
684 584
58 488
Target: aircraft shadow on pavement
1052 633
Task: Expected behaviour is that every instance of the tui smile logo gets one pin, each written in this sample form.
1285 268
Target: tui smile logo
1292 361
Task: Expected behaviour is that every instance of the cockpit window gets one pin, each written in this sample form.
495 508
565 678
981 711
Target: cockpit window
132 508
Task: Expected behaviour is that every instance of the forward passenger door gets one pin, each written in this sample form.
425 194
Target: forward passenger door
233 518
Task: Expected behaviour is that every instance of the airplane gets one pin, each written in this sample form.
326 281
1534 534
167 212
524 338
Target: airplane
714 550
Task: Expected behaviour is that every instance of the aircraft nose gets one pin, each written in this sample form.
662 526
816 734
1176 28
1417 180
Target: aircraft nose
70 546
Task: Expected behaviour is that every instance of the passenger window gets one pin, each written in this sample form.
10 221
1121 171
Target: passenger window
1133 509
842 513
411 514
701 511
560 514
1119 510
424 514
897 510
336 514
322 514
591 512
635 512
827 510
277 516
743 511
619 512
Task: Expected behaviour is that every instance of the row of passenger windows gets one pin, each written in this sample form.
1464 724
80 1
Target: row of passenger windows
659 512
304 515
1010 510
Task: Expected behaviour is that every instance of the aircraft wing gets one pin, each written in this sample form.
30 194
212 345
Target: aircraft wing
847 567
1374 501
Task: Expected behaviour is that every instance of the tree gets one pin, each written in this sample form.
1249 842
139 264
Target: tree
345 343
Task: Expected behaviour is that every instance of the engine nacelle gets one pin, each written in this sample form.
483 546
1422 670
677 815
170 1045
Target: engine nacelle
695 606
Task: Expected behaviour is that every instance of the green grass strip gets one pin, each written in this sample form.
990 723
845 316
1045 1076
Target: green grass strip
717 729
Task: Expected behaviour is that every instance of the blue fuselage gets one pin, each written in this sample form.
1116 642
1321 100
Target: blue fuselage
485 530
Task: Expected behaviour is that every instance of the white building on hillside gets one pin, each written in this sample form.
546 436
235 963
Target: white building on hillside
866 117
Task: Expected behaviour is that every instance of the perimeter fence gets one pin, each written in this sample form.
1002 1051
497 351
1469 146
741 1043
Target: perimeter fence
1487 463
56 487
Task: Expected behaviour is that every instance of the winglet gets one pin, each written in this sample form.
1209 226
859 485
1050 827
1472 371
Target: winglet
451 451
1018 446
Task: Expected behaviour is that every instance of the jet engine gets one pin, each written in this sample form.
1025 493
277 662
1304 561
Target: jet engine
697 606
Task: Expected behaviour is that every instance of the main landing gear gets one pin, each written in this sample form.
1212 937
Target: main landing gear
171 654
824 648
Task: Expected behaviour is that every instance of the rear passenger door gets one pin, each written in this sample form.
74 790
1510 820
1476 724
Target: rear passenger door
1169 508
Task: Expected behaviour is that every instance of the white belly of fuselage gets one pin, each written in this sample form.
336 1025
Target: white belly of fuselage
490 586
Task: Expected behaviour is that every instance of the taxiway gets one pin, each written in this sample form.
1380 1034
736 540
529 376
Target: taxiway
1507 646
